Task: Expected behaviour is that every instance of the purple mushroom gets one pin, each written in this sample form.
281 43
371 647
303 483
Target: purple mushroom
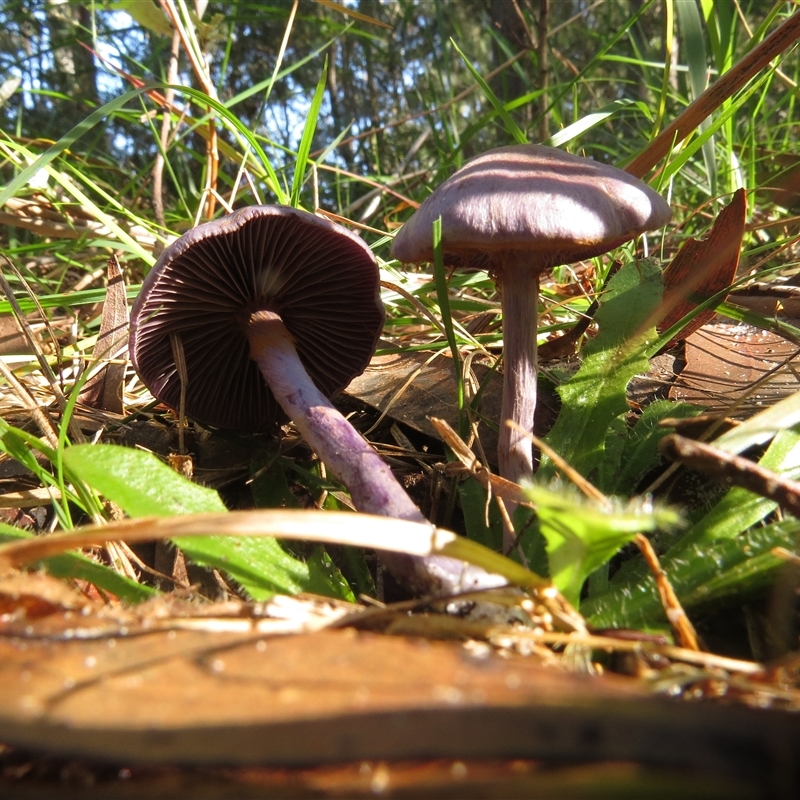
518 212
276 310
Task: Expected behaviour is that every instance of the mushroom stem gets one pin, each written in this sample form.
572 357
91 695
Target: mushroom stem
520 297
372 486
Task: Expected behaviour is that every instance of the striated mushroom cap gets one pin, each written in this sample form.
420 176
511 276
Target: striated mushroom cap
561 207
321 279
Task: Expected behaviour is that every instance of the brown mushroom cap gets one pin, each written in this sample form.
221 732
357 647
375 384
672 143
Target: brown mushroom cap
558 206
321 279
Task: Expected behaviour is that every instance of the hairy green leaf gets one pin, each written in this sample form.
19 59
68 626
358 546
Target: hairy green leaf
143 486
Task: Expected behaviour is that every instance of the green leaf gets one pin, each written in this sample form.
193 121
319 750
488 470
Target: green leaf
694 560
74 565
269 486
745 564
595 396
693 48
20 445
763 426
725 569
356 571
447 317
582 535
143 486
139 483
65 143
82 297
325 578
640 452
473 498
595 118
613 447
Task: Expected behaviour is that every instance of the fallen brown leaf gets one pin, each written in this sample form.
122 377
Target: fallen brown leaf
703 267
103 390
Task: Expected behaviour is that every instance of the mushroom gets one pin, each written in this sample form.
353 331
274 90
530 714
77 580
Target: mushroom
517 212
275 310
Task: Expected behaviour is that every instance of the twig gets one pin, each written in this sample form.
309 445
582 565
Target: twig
501 487
729 469
589 489
684 630
195 56
716 94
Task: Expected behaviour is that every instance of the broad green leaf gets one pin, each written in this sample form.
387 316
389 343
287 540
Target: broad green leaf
605 475
472 496
139 483
596 394
739 508
143 486
747 562
727 568
325 578
582 535
269 486
356 571
640 452
695 560
270 489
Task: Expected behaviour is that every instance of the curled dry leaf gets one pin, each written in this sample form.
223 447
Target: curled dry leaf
703 267
103 390
30 596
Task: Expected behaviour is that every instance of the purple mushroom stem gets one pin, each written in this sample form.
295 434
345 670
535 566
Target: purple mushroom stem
520 293
372 486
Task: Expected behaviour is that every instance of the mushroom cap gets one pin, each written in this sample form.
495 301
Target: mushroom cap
528 197
321 279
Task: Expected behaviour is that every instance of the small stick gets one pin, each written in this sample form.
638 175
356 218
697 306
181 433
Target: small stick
683 628
734 470
712 98
500 487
